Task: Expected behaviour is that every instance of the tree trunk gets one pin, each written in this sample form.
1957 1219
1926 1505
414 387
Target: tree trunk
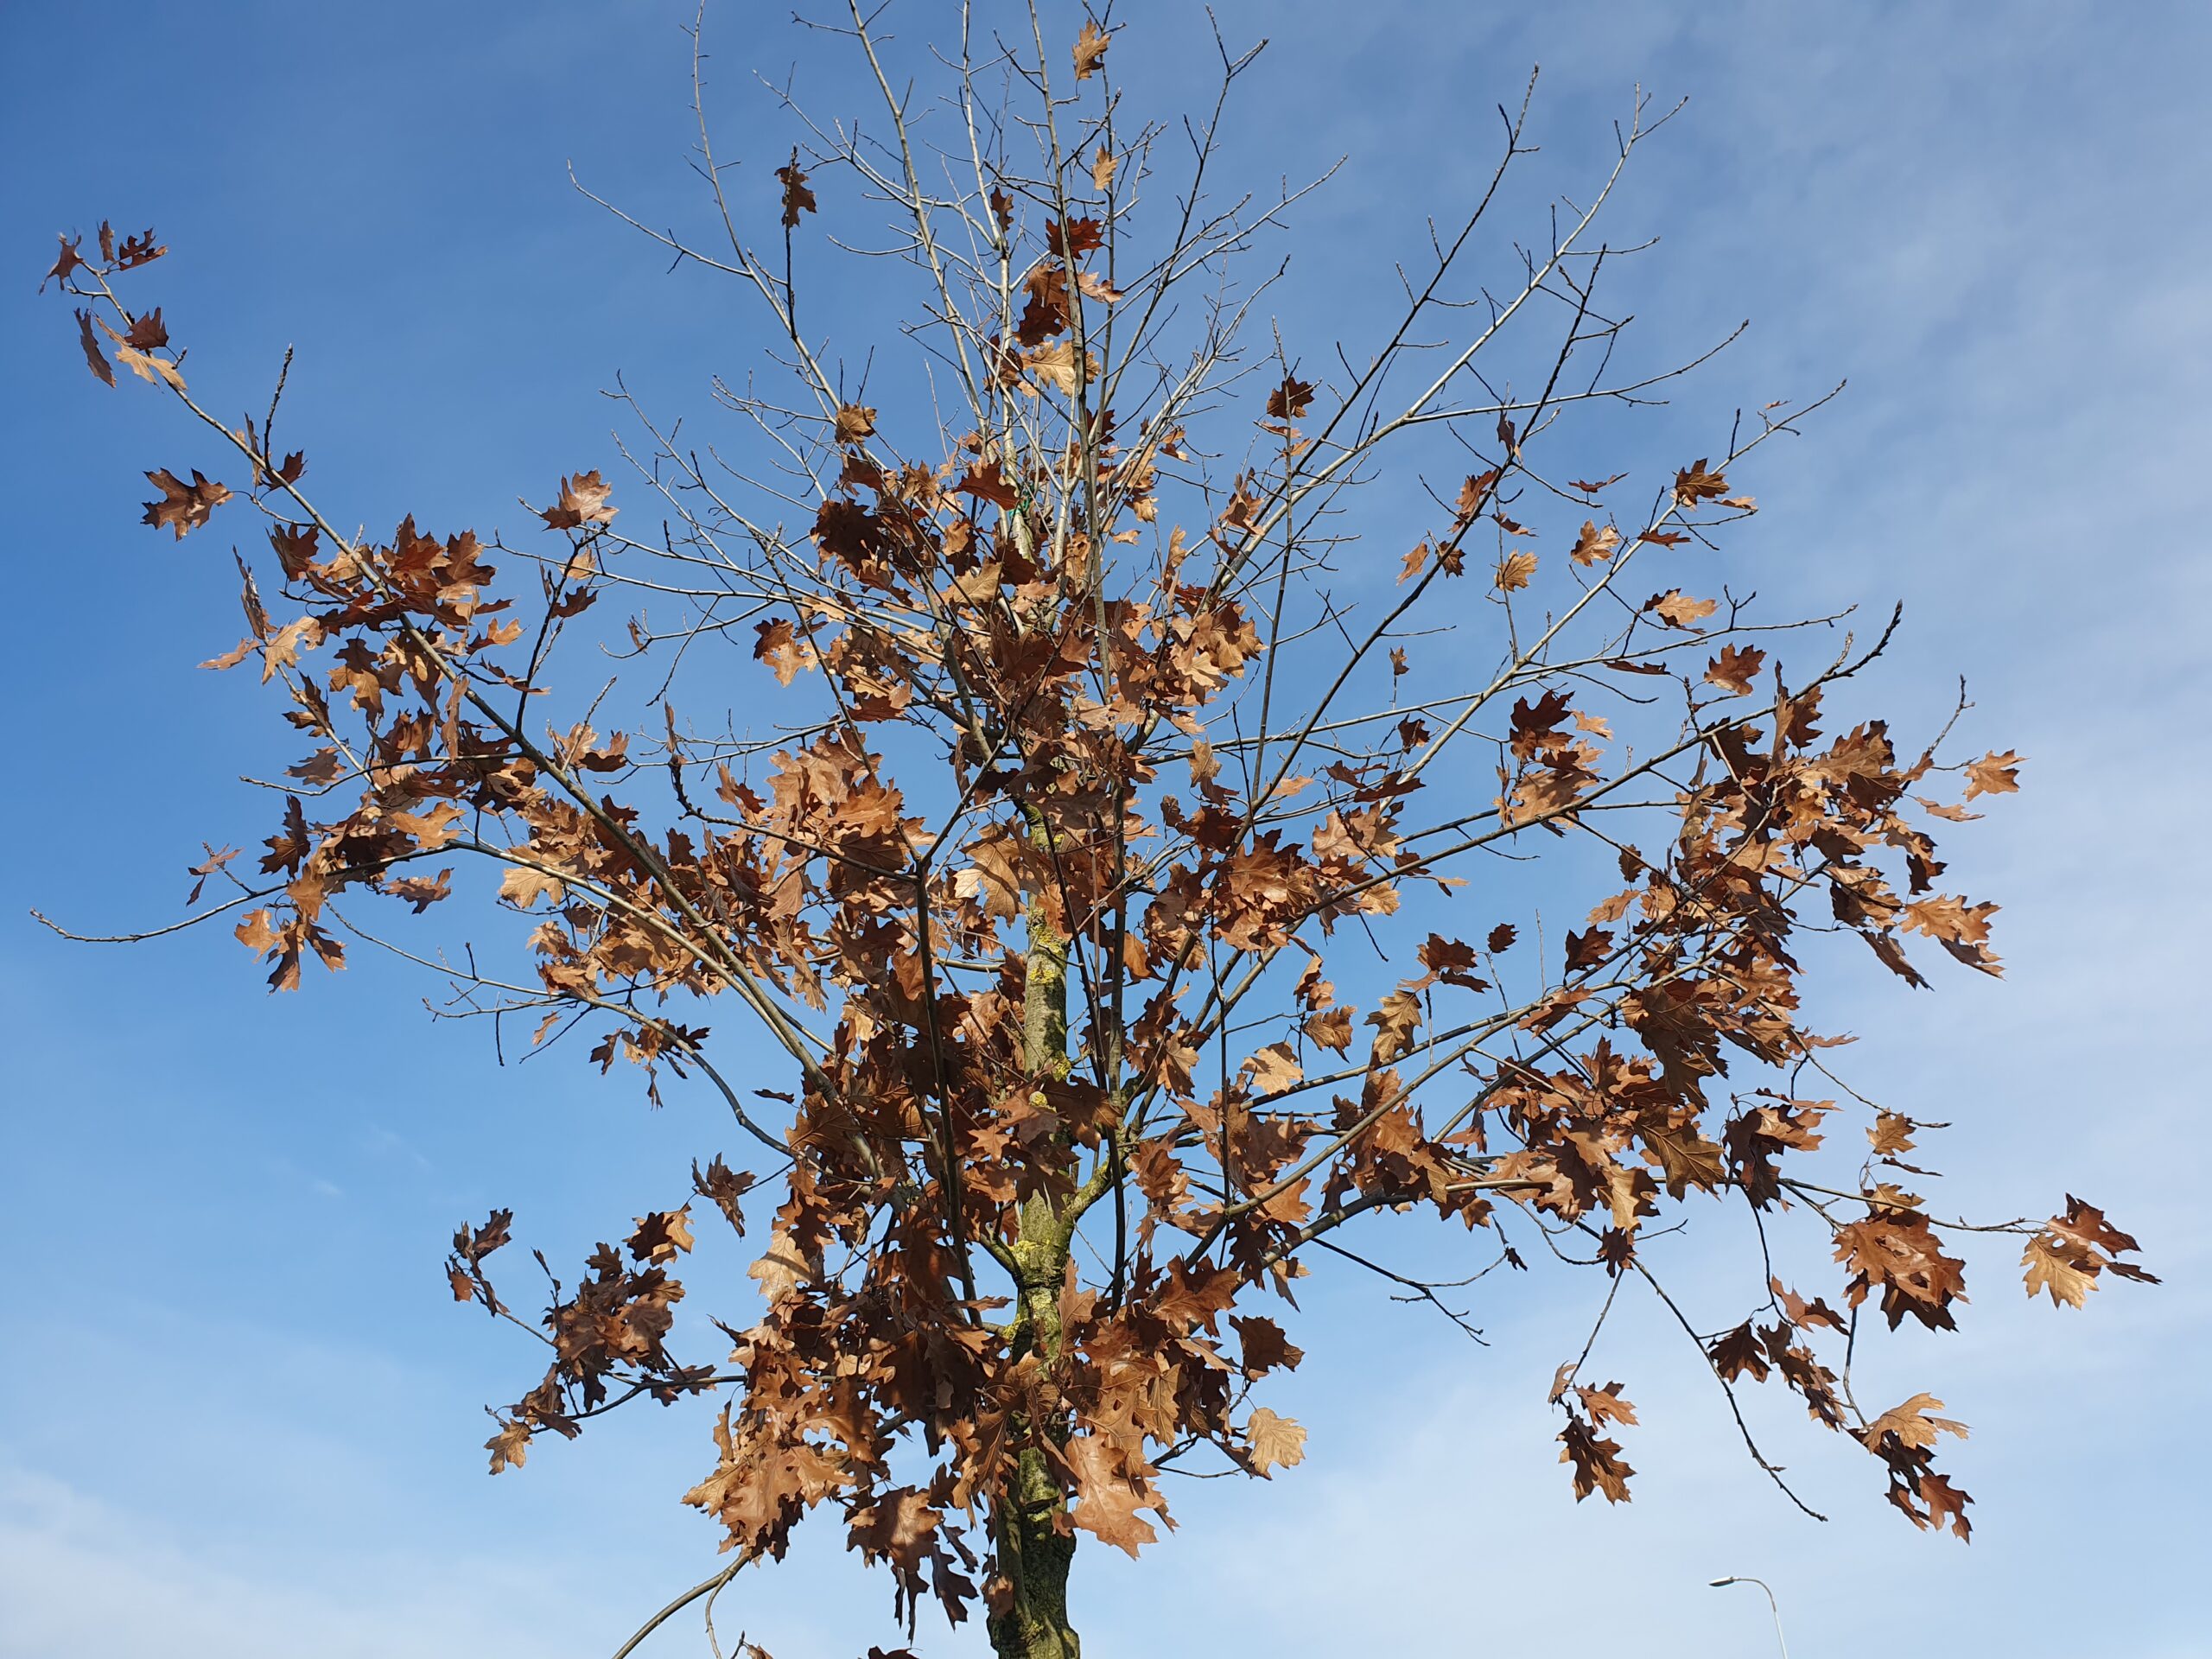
1028 1523
1034 1555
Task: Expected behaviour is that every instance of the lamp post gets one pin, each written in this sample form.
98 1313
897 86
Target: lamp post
1781 1641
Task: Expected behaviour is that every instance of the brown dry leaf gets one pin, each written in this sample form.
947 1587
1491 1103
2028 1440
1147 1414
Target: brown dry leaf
724 1187
1891 1134
2056 1265
256 932
1596 545
1606 1405
797 197
128 354
421 892
149 368
1055 365
1588 950
781 1269
1290 400
1678 610
93 359
897 1528
582 502
855 422
183 506
778 644
1395 1019
1598 1464
1275 1069
521 886
1513 571
1993 774
1474 497
1331 1028
1265 1347
1107 1501
1913 1423
509 1447
146 368
1693 484
662 1236
1103 167
69 260
1090 49
1735 668
133 250
1271 1442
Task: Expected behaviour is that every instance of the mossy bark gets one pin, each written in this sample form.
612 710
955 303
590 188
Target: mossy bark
1028 1521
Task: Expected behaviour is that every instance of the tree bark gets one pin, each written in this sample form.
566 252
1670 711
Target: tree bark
1028 1523
1034 1555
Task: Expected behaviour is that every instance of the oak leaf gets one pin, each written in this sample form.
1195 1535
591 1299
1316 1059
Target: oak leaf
1606 1405
133 251
1055 365
780 1270
1993 774
1274 1069
1735 668
522 885
724 1186
1290 400
1396 1019
1913 1423
93 359
797 197
2060 1267
183 506
1595 545
1678 610
1090 49
509 1447
1271 1442
1107 1501
1331 1028
1265 1347
69 260
147 368
1693 484
1598 1466
582 502
662 1236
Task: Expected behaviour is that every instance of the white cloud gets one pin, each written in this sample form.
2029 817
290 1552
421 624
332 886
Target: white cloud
81 1578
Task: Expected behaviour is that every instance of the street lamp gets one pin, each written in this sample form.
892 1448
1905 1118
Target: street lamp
1781 1641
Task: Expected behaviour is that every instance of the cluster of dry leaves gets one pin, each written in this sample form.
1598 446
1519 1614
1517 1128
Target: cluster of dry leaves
1073 920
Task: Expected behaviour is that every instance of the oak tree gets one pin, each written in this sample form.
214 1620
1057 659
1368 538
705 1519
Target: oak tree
1150 886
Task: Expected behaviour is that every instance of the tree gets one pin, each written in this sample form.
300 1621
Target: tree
1083 894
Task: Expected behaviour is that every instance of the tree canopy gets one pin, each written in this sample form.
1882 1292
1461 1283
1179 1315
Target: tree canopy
1151 892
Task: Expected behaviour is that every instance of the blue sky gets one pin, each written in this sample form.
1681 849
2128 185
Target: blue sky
243 1418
